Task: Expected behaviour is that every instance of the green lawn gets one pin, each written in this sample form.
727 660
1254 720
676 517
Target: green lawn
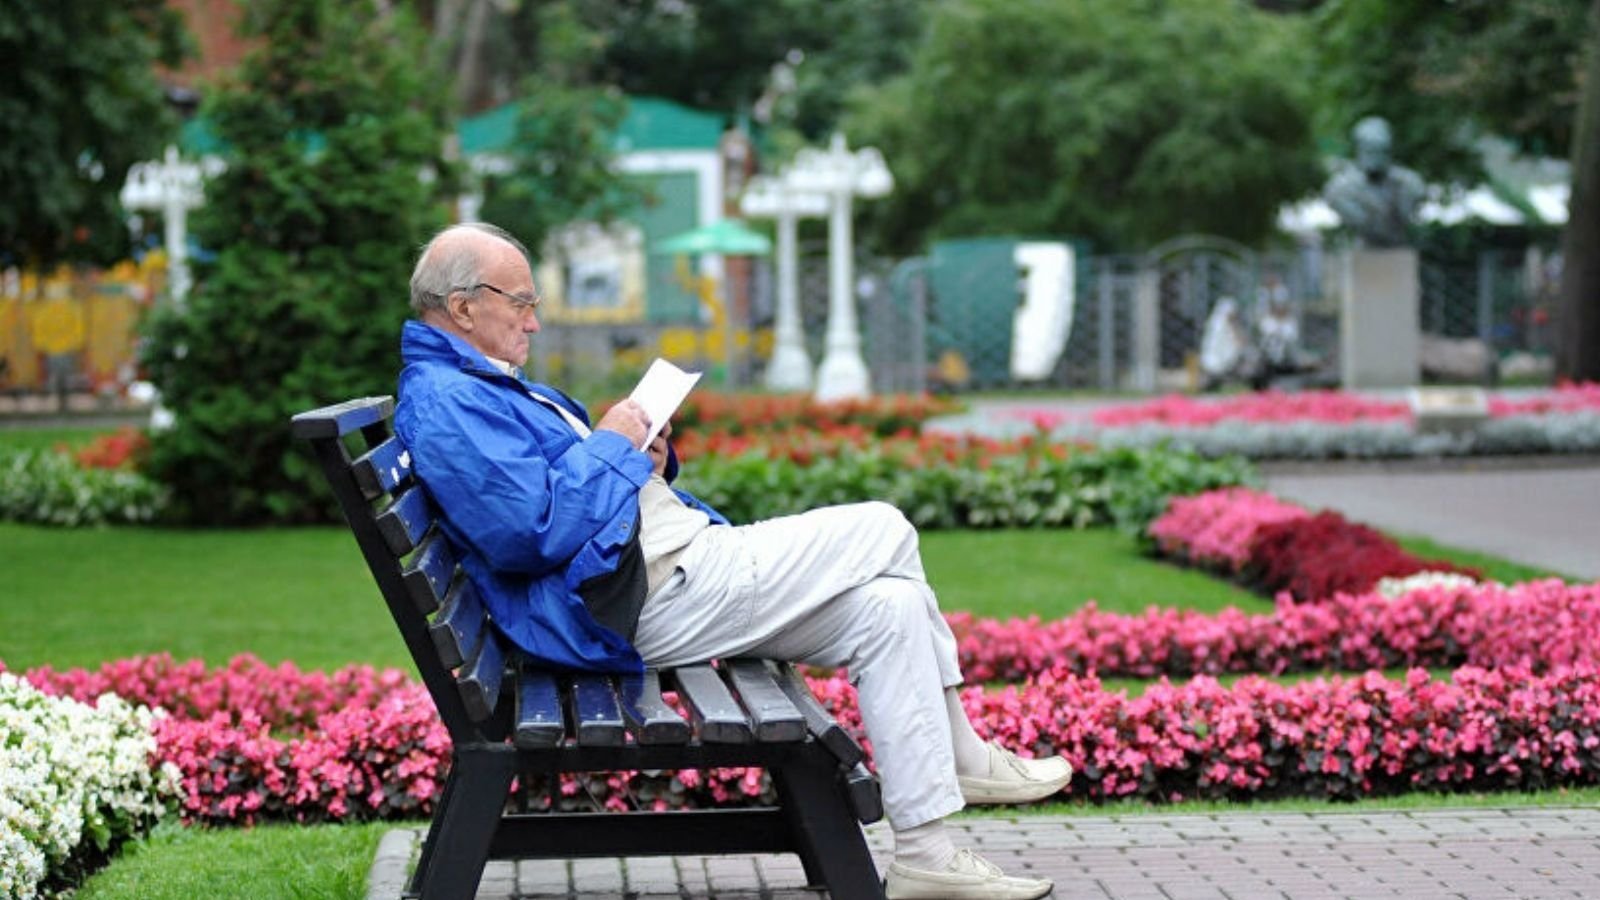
270 862
47 438
80 597
1051 573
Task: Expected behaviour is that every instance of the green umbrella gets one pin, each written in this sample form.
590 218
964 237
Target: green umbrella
725 237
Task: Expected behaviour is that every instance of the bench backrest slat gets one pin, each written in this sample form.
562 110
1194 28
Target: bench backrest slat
649 717
596 715
429 573
771 712
406 520
479 679
717 716
383 468
539 719
460 625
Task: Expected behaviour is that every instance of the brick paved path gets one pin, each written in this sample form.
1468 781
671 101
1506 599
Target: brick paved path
1445 853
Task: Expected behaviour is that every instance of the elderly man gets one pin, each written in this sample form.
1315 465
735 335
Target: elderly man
588 559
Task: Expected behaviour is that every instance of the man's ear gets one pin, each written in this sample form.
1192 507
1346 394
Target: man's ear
459 307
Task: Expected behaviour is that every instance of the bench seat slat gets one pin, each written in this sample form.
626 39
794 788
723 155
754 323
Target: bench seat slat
460 624
772 714
717 716
539 719
479 680
649 717
405 521
822 725
427 576
596 715
383 468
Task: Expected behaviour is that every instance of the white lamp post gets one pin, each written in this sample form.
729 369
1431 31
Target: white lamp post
173 187
841 175
771 198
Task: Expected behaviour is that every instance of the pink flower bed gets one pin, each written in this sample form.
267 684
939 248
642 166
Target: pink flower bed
1537 625
1333 407
1264 406
1565 399
364 744
1279 548
1360 736
1216 528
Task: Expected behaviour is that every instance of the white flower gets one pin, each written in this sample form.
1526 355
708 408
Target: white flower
71 773
1393 588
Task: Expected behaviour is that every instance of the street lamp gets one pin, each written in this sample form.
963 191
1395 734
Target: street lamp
841 175
172 186
772 198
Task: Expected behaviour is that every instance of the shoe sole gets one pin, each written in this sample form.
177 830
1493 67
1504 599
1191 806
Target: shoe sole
1009 792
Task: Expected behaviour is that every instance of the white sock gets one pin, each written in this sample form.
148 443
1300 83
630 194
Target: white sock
927 847
972 754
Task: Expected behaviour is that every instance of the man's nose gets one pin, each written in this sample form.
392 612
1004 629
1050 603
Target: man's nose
531 323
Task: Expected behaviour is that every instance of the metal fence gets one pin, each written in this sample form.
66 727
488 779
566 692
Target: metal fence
953 320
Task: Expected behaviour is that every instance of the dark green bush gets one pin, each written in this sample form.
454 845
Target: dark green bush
333 129
1124 488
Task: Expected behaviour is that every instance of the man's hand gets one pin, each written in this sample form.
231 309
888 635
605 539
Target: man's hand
658 449
628 419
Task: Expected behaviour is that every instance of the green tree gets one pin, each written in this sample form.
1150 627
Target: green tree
1445 74
333 129
712 54
1123 122
855 45
562 158
1578 356
80 102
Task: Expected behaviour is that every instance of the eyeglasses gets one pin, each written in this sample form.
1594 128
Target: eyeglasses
518 302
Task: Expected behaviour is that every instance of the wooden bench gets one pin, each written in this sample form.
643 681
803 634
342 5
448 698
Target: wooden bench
507 719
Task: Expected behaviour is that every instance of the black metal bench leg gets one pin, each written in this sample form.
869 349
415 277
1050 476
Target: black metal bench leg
426 856
827 836
452 861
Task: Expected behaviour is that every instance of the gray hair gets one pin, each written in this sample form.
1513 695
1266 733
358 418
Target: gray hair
447 265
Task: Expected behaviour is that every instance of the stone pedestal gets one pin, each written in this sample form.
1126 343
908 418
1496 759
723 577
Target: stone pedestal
1379 334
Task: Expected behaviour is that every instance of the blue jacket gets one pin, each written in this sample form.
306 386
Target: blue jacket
533 510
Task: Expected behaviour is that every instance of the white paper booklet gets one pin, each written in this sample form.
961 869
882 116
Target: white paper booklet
662 388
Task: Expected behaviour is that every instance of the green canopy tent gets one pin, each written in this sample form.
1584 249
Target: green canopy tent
724 237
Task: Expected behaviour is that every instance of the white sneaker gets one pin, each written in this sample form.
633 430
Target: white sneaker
967 876
1012 779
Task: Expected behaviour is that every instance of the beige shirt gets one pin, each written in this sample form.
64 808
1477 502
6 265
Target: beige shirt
667 526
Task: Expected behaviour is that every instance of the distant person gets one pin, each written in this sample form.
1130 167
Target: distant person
588 559
1278 342
1225 350
1376 199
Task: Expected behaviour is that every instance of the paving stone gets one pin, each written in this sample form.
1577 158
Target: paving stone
651 874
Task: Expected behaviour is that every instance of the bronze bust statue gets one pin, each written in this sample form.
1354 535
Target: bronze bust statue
1373 197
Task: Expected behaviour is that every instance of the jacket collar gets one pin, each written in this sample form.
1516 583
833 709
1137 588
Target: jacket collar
423 343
